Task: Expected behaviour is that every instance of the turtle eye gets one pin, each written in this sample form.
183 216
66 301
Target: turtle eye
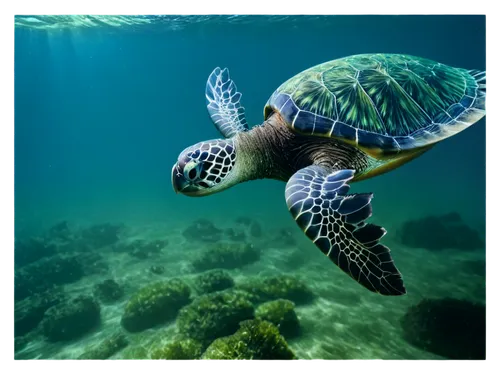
192 174
191 170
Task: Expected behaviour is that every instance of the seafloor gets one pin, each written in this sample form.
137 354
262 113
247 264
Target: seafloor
343 321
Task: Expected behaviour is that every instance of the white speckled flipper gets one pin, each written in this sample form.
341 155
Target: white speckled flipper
223 103
334 221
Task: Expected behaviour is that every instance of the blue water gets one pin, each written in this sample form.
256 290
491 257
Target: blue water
102 112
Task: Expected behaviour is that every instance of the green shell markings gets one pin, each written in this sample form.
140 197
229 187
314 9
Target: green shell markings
387 102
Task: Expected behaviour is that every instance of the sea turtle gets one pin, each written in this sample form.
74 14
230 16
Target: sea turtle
340 121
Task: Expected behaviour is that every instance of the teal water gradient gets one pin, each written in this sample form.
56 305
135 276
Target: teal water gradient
104 105
101 113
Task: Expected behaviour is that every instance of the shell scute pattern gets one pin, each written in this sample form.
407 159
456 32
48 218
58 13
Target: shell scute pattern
389 102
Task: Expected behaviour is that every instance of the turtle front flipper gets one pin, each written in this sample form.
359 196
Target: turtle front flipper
334 221
223 103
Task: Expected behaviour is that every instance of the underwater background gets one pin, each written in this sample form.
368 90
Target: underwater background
111 263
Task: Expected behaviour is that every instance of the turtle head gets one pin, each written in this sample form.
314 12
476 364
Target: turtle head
205 168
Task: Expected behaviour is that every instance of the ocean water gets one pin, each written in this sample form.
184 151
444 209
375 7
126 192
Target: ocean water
103 107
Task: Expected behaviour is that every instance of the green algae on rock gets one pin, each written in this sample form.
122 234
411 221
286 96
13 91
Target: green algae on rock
107 347
102 235
227 256
214 315
202 230
43 274
157 270
213 281
179 349
155 304
282 314
71 319
277 287
255 339
135 352
29 312
108 291
449 327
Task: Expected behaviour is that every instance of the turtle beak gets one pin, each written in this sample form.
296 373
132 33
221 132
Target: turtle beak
179 183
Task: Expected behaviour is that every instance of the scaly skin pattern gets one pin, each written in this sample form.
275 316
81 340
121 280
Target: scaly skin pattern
272 150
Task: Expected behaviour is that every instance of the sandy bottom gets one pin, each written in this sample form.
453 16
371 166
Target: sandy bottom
345 321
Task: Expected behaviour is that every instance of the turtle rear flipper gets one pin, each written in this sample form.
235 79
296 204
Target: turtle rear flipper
334 221
223 103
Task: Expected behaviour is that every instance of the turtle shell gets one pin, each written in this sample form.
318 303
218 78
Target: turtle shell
381 102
